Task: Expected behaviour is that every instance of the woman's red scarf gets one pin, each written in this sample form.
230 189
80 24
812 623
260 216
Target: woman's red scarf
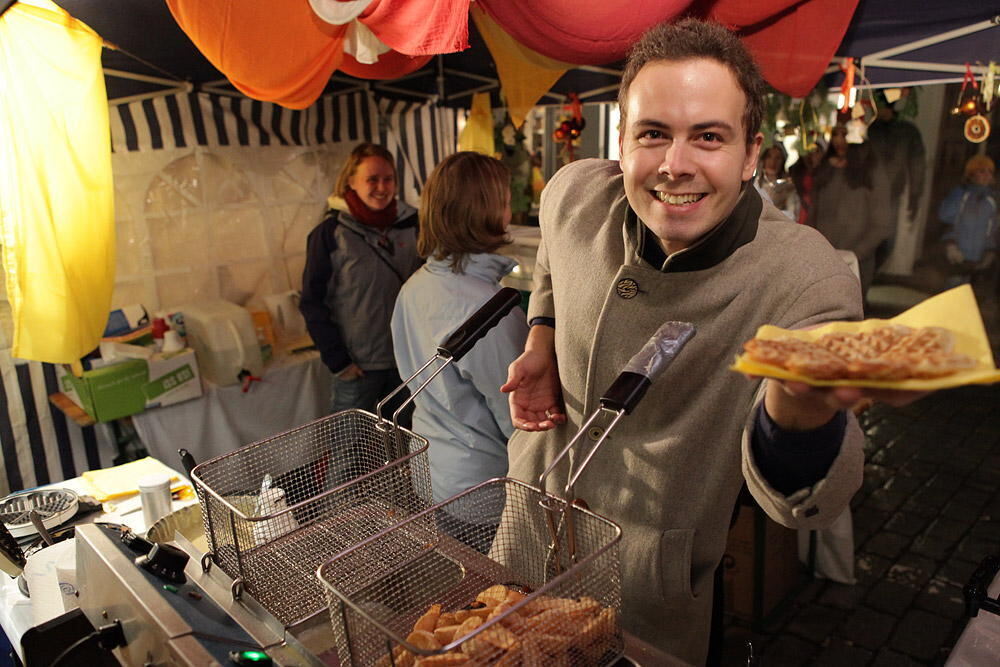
381 220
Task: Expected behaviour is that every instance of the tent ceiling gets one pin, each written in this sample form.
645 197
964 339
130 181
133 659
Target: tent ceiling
884 33
153 45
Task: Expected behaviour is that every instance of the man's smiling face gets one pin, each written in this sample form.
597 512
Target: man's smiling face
684 152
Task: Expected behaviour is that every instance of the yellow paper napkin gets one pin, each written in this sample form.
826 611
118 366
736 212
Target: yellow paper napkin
110 483
955 310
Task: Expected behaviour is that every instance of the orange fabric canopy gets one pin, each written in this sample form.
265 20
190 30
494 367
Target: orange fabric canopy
282 52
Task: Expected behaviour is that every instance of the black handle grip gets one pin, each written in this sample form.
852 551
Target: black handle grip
625 392
187 461
976 592
481 322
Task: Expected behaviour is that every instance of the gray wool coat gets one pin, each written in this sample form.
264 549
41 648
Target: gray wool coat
670 473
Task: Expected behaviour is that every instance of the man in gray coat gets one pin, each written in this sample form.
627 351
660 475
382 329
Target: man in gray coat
674 232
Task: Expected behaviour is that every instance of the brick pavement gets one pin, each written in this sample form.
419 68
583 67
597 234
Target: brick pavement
927 513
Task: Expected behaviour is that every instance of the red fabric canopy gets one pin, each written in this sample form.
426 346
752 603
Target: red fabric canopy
583 32
792 40
420 27
794 48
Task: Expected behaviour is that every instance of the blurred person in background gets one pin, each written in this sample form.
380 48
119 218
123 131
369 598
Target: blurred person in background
357 258
899 149
851 202
464 217
773 181
803 176
970 214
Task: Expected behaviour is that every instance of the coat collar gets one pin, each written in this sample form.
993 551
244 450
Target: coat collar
485 266
337 206
737 230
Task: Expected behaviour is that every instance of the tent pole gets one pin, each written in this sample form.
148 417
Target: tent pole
143 77
396 89
389 129
442 97
177 90
929 41
921 66
600 70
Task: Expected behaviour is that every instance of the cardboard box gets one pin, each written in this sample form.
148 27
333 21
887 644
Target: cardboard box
131 386
773 577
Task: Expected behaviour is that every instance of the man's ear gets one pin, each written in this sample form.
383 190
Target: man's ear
753 153
621 140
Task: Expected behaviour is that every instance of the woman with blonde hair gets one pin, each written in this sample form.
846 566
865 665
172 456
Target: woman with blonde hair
357 258
464 216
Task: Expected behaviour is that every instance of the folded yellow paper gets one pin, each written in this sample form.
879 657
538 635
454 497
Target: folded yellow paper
110 483
955 310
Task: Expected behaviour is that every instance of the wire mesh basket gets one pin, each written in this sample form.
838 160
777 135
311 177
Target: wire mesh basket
506 573
484 584
276 509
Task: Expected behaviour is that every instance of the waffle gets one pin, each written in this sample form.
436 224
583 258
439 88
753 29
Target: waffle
888 353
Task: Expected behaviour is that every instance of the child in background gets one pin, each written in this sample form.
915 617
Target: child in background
464 216
970 213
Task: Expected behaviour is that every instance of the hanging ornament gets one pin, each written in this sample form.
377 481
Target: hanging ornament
977 129
989 89
967 105
570 126
847 91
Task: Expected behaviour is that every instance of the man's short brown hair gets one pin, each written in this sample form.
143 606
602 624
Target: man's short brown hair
358 154
462 208
692 38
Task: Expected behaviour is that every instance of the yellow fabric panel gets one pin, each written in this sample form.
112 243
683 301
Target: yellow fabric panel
477 135
56 196
525 75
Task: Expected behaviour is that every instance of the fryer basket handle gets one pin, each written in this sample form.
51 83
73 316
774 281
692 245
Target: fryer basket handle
647 365
484 319
625 393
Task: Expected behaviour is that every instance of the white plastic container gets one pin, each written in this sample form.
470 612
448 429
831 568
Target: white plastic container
224 340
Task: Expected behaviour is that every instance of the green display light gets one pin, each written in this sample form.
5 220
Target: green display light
250 657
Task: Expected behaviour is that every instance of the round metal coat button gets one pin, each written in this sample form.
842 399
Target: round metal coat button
627 288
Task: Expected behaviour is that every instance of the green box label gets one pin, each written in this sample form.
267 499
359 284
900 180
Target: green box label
165 383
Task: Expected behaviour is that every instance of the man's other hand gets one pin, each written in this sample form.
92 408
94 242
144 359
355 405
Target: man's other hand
533 384
796 406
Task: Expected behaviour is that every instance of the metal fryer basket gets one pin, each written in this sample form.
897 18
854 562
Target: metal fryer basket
423 562
275 510
333 482
564 557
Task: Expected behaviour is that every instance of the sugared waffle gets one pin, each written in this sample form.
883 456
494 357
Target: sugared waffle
891 352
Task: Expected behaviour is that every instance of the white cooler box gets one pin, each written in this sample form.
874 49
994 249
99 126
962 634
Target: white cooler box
224 339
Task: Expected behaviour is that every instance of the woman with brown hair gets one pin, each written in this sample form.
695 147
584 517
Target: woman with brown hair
464 215
357 258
